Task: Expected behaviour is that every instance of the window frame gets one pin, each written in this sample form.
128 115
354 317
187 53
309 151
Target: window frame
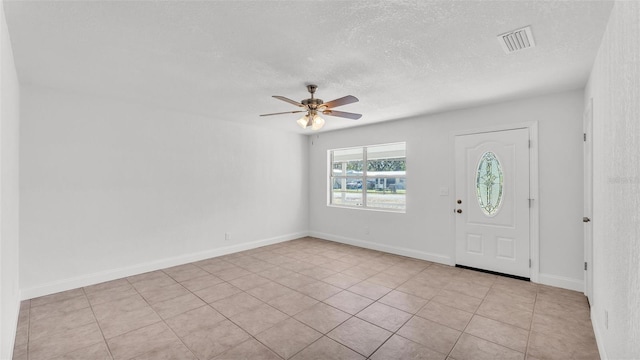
364 178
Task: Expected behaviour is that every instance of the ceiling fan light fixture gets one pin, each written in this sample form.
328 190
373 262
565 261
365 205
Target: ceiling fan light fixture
317 122
303 121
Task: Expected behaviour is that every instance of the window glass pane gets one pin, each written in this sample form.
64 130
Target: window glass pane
386 193
386 160
489 183
347 191
347 162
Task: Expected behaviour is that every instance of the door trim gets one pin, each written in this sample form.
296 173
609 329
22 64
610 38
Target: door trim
534 212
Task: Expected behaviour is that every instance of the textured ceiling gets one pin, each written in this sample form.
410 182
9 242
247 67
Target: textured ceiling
224 59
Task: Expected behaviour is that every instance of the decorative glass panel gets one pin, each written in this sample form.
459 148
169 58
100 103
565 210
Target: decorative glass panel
489 183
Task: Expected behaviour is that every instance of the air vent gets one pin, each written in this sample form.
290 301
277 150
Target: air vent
516 40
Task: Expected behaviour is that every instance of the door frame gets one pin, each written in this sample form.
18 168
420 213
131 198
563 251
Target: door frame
587 124
534 212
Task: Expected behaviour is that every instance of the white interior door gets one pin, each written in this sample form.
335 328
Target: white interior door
492 201
588 200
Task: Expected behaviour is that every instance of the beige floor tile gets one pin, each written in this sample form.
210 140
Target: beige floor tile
498 295
201 282
477 277
322 317
292 304
276 273
97 351
467 287
64 342
59 322
151 275
199 320
349 302
387 280
369 290
472 348
270 291
215 340
500 333
399 348
430 334
419 288
173 351
217 292
403 301
236 304
214 266
318 273
107 295
232 273
249 281
506 313
288 337
555 346
384 316
561 326
107 285
341 280
360 336
458 300
158 294
445 315
158 280
121 316
296 281
259 319
248 350
320 290
58 308
177 305
185 272
360 272
65 295
327 349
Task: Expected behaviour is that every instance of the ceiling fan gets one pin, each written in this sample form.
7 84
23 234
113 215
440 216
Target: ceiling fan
313 106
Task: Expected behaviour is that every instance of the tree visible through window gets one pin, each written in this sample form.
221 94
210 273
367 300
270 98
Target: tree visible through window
381 184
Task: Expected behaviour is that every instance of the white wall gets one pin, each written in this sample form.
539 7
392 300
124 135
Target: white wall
614 86
110 188
426 229
9 193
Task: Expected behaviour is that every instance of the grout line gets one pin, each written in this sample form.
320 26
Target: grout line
97 323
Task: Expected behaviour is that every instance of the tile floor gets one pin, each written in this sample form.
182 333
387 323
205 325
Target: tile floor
308 299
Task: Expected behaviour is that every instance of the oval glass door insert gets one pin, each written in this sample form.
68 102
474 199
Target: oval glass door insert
489 183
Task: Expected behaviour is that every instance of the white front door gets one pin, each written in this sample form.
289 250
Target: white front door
492 201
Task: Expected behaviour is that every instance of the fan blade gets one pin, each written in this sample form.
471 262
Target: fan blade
339 102
286 112
288 100
342 114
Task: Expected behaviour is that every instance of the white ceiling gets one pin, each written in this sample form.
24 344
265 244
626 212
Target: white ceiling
224 59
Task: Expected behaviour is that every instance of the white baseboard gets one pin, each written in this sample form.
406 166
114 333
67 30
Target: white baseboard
561 282
113 274
596 330
437 258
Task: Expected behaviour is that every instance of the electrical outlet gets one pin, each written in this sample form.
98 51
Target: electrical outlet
606 319
227 236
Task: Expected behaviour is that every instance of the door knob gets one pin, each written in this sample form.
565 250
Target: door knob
459 211
586 219
459 201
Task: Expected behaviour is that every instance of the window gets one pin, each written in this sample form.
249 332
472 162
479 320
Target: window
372 177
